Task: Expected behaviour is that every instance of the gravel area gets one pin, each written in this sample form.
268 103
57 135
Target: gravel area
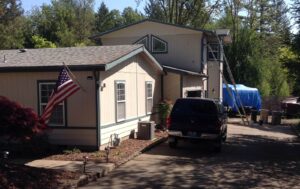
13 176
116 155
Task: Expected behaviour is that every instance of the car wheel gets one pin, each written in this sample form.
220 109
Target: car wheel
173 144
224 136
218 145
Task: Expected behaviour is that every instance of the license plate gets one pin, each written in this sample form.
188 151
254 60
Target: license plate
171 139
192 134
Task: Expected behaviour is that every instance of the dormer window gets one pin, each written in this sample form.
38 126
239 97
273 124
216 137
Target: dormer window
158 45
144 40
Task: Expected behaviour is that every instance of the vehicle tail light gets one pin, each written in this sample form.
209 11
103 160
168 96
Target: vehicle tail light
168 122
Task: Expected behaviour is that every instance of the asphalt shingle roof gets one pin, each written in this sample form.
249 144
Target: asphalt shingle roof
74 56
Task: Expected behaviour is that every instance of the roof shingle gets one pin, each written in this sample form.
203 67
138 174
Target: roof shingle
74 56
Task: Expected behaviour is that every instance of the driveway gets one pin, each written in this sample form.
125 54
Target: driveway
253 157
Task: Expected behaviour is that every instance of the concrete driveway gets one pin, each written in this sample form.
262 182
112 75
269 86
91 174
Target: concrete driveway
253 157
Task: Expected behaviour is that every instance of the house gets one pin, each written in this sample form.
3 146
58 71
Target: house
120 85
192 58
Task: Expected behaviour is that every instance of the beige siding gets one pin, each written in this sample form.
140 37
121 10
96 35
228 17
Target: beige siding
143 29
122 130
81 137
191 83
183 50
215 80
135 72
171 86
23 88
184 46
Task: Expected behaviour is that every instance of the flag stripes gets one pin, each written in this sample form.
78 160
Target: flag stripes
65 88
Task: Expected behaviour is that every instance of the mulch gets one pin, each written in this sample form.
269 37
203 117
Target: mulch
13 176
116 155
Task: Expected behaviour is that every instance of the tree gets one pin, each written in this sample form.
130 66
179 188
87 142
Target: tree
64 22
131 16
17 122
183 12
11 24
106 19
40 42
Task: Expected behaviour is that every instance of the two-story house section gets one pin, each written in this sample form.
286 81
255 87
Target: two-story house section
192 69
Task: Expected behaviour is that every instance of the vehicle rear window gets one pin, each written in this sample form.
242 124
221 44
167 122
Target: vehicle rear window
190 106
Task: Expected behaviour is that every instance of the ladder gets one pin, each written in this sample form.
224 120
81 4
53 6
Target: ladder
232 81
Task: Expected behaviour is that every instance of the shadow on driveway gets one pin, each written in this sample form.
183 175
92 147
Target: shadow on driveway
246 162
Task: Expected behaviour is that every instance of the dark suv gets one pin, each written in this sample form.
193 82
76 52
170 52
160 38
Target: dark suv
197 119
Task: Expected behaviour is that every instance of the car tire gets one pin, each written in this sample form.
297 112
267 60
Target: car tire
218 145
173 144
224 136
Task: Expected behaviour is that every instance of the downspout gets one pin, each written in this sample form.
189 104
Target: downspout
181 86
202 53
202 63
98 109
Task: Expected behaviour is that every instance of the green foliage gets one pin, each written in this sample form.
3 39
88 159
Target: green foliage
17 122
164 109
191 13
72 151
65 22
11 24
131 16
40 42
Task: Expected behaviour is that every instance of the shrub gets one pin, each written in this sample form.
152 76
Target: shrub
72 151
17 122
164 108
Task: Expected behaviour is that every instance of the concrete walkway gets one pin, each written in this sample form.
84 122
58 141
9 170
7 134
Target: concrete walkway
72 165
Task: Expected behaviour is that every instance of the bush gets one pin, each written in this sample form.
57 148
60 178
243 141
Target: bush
17 122
164 108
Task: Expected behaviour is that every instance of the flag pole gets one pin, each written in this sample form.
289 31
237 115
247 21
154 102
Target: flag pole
73 76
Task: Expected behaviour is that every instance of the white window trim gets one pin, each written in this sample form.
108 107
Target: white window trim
148 98
213 51
143 38
152 45
41 104
116 100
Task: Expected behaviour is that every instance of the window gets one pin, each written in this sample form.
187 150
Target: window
58 115
158 45
120 101
144 40
213 52
149 97
197 93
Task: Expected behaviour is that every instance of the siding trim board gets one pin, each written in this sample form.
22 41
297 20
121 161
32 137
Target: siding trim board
125 121
98 108
51 68
182 71
75 127
118 61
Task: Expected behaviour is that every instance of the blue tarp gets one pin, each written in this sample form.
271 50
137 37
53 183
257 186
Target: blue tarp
250 97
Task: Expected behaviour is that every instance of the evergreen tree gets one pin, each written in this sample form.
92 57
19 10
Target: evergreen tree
131 16
11 24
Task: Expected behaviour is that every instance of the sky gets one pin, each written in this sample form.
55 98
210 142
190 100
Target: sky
111 4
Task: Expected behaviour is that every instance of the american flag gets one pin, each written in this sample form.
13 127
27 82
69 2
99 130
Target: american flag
65 87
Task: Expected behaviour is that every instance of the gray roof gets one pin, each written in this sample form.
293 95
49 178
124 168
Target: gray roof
102 57
183 71
150 20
